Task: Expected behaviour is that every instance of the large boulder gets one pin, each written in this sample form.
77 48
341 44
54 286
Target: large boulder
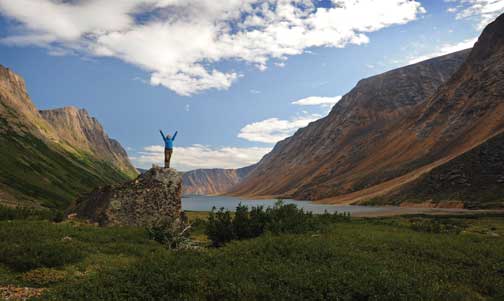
152 196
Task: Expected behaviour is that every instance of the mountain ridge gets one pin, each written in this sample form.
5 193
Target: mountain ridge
373 143
348 125
39 167
75 126
213 181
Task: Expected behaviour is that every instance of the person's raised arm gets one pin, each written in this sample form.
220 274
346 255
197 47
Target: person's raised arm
174 135
162 135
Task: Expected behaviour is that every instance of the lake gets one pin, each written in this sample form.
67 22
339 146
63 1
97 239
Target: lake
205 203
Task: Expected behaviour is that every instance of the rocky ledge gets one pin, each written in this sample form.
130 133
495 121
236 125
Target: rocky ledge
152 196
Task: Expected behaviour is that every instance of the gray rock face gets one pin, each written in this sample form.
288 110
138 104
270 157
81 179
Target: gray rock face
154 195
76 127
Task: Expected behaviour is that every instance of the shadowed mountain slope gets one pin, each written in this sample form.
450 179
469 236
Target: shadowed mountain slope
475 178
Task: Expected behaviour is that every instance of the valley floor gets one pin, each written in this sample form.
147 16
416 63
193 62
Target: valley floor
415 257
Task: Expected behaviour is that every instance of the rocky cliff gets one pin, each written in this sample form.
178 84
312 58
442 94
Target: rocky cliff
39 163
380 137
152 196
213 181
76 127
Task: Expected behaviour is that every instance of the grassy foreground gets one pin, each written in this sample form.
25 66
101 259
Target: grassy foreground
400 258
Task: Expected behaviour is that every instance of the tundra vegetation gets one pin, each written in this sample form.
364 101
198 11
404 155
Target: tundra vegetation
256 254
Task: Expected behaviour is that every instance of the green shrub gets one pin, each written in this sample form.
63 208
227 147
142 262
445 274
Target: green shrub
58 216
281 218
26 213
354 261
435 225
172 233
288 218
39 254
8 213
219 227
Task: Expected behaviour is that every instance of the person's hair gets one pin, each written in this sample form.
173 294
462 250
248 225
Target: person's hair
168 136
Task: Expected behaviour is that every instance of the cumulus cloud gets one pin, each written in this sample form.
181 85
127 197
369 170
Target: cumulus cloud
273 130
485 11
317 101
200 156
180 42
445 49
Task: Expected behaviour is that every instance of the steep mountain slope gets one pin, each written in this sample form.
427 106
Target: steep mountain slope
330 146
475 178
76 127
37 165
213 181
357 152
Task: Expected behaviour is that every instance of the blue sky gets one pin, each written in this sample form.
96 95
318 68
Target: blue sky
224 75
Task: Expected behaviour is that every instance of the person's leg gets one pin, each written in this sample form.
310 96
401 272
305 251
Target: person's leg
168 155
166 158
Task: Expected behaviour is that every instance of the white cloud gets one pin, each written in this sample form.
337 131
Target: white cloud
273 130
445 49
253 91
317 101
179 41
200 156
485 11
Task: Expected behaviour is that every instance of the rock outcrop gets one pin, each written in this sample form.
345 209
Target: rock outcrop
154 195
46 161
213 181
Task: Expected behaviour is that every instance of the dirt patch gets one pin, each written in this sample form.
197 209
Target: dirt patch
19 293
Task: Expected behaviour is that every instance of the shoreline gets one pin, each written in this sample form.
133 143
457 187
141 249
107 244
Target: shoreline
360 210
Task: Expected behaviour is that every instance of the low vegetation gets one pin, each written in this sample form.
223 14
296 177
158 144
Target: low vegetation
172 233
10 213
331 257
223 227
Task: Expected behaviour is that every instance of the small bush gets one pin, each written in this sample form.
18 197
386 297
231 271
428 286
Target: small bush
57 216
173 233
25 213
39 254
437 226
281 218
219 227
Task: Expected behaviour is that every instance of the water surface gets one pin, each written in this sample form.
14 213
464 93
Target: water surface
205 203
